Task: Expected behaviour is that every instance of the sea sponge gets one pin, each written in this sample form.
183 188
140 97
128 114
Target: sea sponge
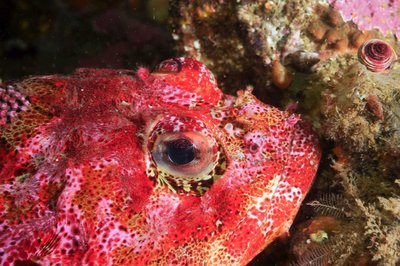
371 14
330 31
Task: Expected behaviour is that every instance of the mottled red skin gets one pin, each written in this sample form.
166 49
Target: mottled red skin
79 185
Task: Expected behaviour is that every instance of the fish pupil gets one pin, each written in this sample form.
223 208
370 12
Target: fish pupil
180 151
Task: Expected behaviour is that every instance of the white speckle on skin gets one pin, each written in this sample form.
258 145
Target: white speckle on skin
218 223
177 126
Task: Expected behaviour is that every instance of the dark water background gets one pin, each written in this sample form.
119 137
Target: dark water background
57 36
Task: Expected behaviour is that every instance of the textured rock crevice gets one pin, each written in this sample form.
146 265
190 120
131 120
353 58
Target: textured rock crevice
305 54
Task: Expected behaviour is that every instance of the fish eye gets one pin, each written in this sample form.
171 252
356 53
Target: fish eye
184 154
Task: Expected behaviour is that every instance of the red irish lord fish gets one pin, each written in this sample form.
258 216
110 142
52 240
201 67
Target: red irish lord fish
114 167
